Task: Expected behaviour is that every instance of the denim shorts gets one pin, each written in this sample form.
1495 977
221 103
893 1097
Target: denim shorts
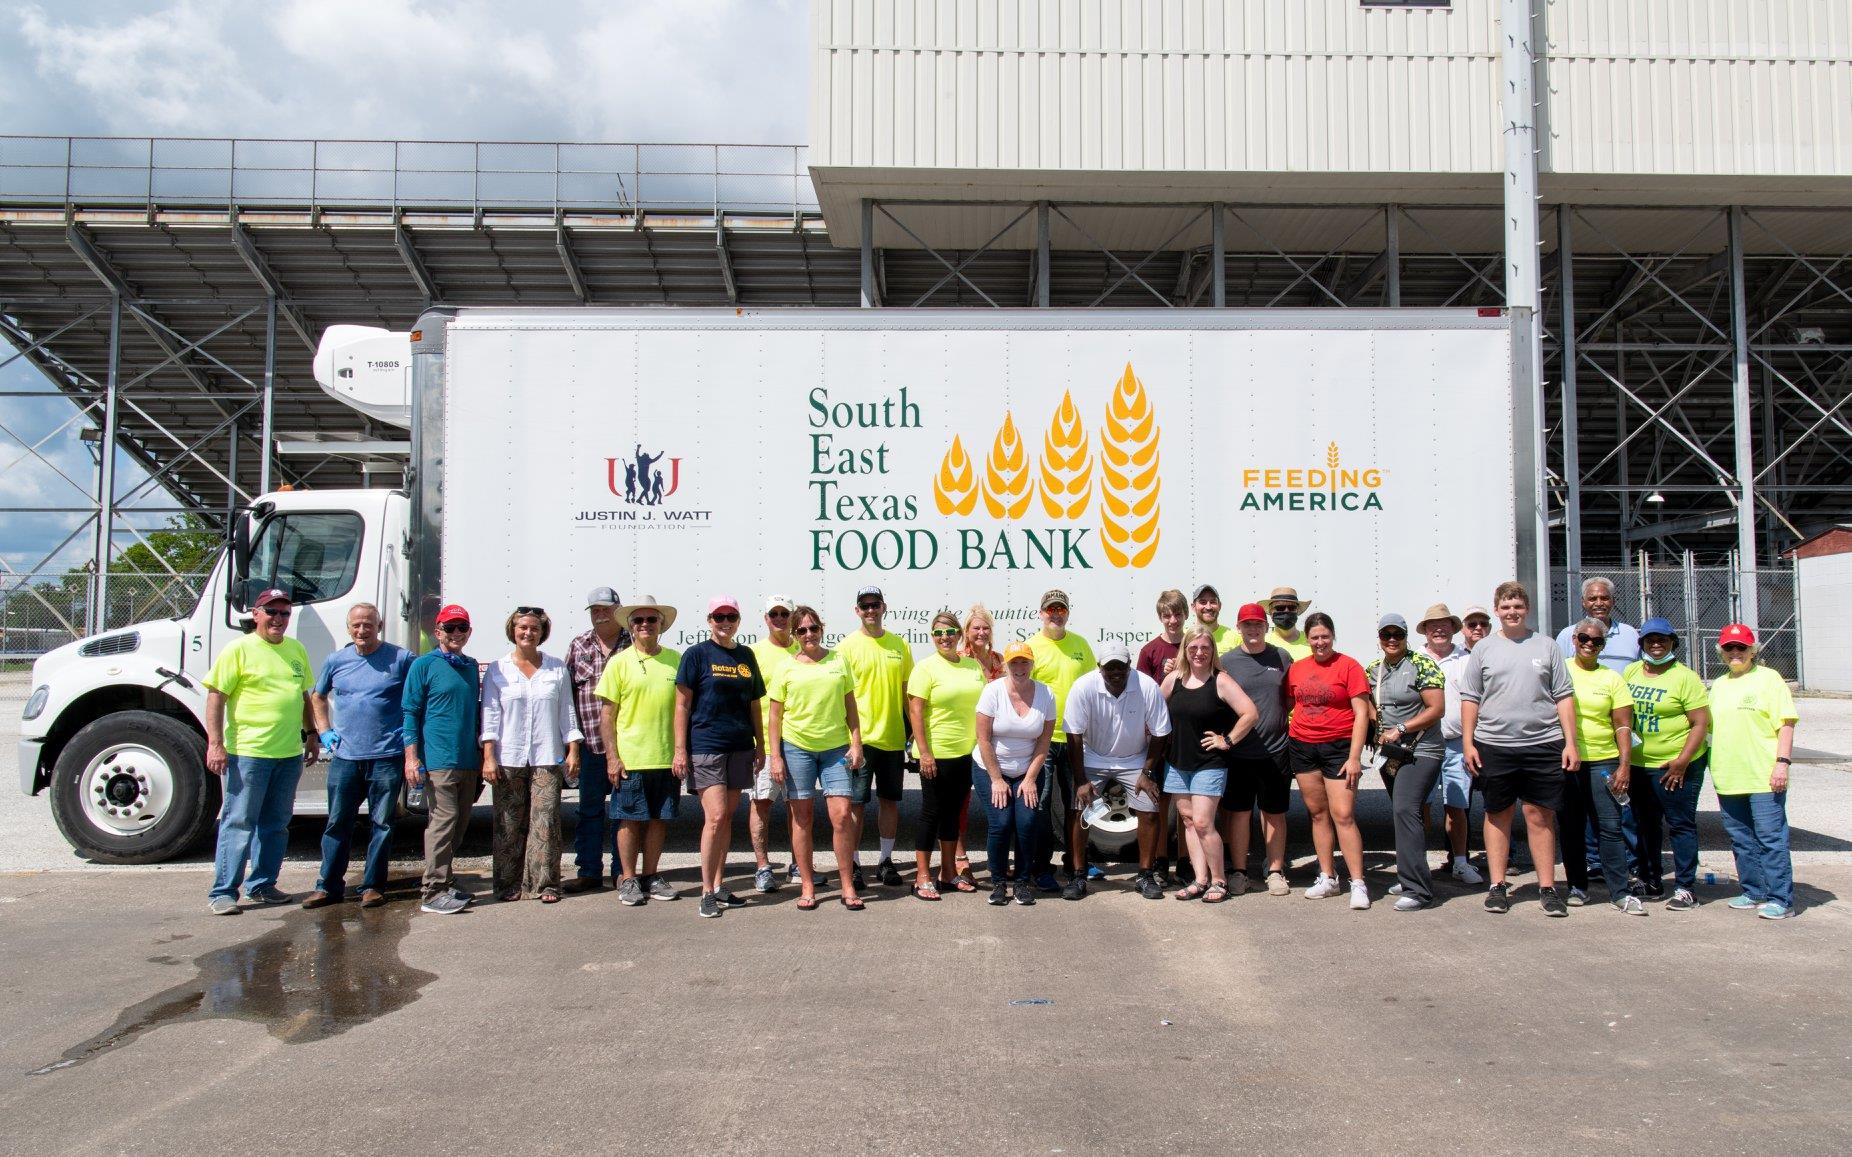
1202 781
803 769
1456 783
645 795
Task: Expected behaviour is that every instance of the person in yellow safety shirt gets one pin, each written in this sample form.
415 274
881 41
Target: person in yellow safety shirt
1285 607
879 663
1752 747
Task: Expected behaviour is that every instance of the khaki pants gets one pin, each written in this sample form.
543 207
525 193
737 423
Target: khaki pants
451 796
527 832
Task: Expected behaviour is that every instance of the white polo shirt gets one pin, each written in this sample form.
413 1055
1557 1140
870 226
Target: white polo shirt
1116 732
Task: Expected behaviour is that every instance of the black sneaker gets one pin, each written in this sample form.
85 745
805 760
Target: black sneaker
890 875
1498 899
1075 888
856 875
1025 895
1681 901
1553 903
710 907
727 899
1149 887
1000 894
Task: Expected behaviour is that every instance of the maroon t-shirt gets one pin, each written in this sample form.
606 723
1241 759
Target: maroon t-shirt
1153 655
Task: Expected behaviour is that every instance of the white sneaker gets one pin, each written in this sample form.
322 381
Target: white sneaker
1323 887
1464 872
1577 897
1395 889
1359 895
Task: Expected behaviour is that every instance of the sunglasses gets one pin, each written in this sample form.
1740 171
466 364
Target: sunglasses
1392 634
945 633
869 606
282 614
530 611
1054 609
723 617
1482 624
1591 640
1733 648
453 629
779 614
645 620
812 629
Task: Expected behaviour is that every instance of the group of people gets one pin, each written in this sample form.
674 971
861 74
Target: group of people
1600 739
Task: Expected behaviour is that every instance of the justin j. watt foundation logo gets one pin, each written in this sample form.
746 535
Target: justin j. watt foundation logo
1060 487
644 480
1330 486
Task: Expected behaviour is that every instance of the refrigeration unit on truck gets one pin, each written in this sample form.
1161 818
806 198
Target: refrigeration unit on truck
947 457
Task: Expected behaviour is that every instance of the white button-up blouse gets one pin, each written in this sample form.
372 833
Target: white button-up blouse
531 719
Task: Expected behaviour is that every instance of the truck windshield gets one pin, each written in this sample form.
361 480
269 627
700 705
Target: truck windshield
312 555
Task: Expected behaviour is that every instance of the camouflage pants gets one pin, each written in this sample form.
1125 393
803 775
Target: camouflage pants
527 830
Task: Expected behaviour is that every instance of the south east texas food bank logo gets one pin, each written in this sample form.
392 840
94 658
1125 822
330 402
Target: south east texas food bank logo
639 479
1063 482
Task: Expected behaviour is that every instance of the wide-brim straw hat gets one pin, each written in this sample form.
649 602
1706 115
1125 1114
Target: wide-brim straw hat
647 604
1440 611
1288 595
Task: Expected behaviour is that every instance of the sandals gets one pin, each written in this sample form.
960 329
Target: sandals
806 903
960 883
1190 891
549 895
1217 893
510 896
853 904
926 891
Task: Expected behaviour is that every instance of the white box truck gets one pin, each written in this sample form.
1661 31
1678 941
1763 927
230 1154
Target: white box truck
948 457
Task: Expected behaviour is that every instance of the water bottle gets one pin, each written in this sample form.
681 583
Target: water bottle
1620 797
414 795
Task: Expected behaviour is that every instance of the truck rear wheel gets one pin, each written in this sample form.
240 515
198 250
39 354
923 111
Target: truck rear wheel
132 788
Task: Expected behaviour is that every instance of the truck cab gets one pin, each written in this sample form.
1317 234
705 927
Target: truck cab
114 727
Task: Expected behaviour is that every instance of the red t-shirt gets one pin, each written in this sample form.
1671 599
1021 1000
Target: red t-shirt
1153 656
1321 695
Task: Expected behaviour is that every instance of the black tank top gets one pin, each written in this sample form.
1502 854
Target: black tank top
1194 710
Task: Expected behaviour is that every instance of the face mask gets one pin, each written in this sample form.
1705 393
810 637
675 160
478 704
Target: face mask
1284 620
1669 656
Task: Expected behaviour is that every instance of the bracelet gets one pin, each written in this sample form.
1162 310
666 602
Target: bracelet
1783 759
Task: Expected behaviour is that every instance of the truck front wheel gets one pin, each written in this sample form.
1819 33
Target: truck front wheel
132 788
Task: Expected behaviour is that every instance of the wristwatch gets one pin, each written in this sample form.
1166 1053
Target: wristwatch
1783 759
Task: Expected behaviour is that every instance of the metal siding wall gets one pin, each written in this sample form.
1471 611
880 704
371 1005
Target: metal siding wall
1154 85
1701 86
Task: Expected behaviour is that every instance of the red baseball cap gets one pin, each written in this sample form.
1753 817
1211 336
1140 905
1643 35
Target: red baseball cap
1251 613
274 594
1737 633
452 613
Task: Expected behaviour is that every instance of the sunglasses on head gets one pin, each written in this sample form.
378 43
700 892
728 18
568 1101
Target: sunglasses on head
453 628
724 617
645 620
1591 640
529 611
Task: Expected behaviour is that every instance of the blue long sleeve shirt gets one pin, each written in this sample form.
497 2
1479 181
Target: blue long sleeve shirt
442 705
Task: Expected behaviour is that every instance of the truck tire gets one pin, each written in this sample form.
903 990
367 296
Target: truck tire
132 788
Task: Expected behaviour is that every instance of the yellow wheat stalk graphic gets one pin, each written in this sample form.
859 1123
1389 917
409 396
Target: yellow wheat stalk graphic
954 488
1006 473
1129 473
1067 463
1331 456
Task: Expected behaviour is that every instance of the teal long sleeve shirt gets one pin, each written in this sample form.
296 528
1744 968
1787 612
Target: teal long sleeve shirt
443 706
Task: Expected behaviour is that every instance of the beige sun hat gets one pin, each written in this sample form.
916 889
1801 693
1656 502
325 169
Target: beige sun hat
1288 595
648 603
1440 611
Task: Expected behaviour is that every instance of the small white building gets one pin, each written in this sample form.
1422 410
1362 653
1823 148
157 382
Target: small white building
1823 566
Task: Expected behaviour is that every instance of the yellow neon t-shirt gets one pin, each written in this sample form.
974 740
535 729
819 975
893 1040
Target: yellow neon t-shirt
263 684
1747 712
1058 662
643 687
878 668
951 691
1598 694
813 716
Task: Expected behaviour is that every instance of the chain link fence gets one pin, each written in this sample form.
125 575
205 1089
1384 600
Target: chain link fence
41 612
1699 601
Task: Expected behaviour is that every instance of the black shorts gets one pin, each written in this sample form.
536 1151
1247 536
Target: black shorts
1327 758
1261 781
1533 774
889 768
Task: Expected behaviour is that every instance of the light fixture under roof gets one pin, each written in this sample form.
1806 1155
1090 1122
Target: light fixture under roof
1655 496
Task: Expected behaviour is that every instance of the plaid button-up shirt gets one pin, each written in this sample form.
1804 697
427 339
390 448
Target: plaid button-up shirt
585 659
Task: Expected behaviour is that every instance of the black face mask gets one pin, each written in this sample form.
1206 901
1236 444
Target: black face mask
1284 620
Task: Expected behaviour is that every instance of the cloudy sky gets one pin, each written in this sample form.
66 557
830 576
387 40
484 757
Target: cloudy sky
720 71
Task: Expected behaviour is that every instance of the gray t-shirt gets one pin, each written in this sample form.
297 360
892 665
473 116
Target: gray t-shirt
1517 684
1261 676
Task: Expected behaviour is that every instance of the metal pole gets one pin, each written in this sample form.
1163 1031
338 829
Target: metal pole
1392 246
869 289
1041 254
1572 448
231 471
106 473
1522 294
1745 427
267 420
1218 264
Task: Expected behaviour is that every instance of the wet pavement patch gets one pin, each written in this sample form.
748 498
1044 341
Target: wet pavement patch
314 976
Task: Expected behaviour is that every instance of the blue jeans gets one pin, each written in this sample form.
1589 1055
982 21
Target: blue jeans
1011 827
593 834
1608 818
1758 828
1680 811
260 796
349 781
